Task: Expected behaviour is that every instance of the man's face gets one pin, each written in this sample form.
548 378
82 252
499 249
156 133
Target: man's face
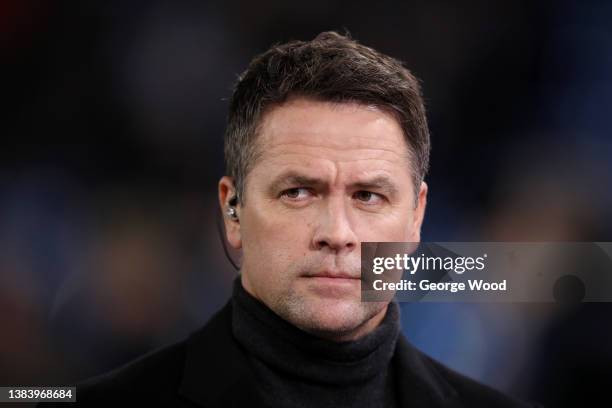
329 177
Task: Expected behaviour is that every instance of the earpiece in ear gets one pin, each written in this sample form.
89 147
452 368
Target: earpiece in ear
231 210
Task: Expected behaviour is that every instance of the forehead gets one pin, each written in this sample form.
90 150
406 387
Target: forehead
303 130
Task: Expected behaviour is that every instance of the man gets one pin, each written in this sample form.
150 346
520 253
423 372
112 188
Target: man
327 146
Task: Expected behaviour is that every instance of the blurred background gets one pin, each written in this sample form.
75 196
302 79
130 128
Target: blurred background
111 149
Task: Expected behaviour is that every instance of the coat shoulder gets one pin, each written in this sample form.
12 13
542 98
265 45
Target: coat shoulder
159 377
152 377
155 374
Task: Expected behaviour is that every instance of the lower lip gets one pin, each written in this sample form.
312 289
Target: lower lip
325 282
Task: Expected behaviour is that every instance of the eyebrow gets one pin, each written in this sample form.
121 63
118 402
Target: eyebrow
380 183
292 178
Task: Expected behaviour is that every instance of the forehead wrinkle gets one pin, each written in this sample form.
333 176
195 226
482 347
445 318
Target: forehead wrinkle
339 147
285 155
314 159
340 175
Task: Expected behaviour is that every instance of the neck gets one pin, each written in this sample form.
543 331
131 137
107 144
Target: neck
301 367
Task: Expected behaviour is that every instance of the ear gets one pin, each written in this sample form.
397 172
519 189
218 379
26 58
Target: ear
227 191
419 213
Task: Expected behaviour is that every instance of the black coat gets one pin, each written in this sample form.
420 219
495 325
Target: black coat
210 369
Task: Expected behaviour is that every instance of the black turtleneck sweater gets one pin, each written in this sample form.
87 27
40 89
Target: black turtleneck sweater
296 369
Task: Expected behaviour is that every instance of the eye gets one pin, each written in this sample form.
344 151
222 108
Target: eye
368 197
296 193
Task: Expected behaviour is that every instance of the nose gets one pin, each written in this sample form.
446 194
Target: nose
334 231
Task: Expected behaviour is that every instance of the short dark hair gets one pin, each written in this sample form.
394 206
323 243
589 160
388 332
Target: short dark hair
334 68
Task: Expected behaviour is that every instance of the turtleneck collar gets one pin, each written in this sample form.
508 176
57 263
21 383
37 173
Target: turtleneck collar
289 351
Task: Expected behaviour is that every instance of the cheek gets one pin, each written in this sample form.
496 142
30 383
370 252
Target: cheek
395 227
265 228
271 242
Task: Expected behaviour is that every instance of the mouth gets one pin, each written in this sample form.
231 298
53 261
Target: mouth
334 283
326 280
335 275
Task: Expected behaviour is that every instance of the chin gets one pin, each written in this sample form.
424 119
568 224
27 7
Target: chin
334 317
